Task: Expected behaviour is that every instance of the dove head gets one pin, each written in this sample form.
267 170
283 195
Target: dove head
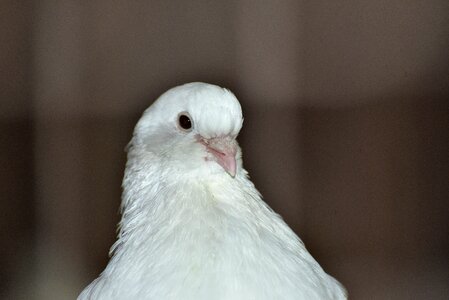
192 129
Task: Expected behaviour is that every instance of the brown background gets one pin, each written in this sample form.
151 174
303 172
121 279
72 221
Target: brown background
346 128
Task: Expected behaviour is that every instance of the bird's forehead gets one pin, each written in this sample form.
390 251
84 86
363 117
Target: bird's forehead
215 111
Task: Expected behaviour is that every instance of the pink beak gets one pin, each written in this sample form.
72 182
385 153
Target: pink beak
223 150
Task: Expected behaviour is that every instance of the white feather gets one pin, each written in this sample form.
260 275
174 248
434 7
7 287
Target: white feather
191 231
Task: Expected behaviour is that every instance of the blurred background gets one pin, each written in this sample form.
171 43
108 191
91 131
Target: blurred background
346 128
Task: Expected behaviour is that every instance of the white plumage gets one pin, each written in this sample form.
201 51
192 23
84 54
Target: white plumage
193 225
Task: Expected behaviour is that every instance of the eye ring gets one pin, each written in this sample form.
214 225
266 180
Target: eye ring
185 122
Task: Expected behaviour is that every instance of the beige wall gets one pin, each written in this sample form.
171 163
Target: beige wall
346 128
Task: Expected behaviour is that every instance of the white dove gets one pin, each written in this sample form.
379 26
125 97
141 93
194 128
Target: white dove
193 225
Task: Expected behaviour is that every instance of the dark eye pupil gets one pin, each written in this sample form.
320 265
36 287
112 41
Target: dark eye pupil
185 122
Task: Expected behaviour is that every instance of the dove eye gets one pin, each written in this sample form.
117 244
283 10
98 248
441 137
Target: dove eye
184 121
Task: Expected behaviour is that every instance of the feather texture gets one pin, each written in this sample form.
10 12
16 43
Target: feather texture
189 230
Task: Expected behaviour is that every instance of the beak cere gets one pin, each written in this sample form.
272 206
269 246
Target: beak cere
223 150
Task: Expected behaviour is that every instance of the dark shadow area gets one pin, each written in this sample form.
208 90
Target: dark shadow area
375 192
18 220
17 174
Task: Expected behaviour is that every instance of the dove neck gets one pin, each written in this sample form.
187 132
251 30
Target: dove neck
154 201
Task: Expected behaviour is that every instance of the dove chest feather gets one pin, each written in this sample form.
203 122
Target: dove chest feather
213 239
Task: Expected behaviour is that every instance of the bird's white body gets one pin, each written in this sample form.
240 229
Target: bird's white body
189 230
